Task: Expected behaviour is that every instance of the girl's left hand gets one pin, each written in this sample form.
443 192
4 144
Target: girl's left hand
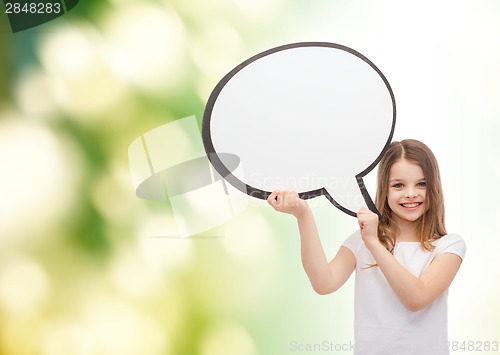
368 224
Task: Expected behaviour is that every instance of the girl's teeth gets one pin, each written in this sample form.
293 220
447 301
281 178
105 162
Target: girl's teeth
410 205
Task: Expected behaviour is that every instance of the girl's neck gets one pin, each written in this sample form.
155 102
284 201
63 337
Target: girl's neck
407 231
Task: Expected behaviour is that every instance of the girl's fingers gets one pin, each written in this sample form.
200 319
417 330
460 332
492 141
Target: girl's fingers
275 199
275 196
279 199
361 217
271 199
282 200
368 222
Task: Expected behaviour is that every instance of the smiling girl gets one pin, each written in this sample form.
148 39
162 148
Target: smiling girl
404 263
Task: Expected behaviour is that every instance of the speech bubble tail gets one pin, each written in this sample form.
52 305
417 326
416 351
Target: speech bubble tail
350 196
368 200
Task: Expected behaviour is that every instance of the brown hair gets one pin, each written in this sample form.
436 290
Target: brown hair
431 225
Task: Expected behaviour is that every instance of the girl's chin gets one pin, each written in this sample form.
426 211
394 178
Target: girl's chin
408 216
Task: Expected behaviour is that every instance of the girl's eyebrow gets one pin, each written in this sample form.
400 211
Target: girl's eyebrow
397 179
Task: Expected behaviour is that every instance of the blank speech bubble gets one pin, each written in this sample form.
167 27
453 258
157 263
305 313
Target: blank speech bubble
313 117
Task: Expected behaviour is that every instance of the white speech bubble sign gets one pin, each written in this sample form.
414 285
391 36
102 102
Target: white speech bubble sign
313 117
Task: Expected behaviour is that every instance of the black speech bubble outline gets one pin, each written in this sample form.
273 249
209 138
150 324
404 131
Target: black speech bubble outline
255 192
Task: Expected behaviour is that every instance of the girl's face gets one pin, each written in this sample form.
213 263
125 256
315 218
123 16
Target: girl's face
406 194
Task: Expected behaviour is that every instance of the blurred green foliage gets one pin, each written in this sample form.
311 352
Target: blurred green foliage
80 269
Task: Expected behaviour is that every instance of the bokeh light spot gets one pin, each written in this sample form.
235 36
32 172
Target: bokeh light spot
227 338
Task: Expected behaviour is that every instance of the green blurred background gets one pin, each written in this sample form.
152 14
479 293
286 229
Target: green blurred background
80 270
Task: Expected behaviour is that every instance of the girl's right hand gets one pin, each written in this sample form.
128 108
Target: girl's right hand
288 202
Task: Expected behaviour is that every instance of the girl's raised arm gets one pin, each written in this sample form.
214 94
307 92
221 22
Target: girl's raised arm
325 277
416 293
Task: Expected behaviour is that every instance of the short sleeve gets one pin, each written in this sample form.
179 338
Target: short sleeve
353 242
451 243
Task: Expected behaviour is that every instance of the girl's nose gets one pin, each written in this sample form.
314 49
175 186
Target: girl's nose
411 193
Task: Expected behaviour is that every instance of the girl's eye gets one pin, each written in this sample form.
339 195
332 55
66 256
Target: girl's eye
398 185
422 184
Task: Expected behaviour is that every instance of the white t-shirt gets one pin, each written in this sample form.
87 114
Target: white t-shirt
382 324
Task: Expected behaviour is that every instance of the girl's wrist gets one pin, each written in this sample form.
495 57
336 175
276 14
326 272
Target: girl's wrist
372 243
303 212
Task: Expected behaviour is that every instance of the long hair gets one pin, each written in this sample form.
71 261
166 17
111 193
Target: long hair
430 225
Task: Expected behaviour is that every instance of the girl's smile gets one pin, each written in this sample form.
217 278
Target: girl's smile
411 206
